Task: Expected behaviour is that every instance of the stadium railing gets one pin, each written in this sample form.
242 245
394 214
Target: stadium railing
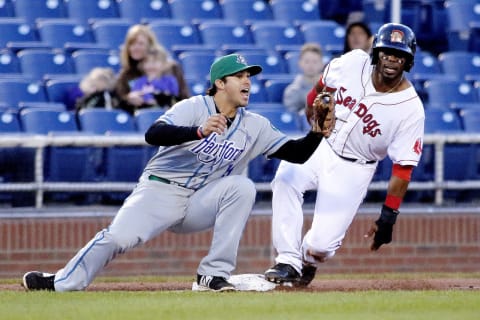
39 186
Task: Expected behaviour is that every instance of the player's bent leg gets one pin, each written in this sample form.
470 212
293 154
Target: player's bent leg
288 188
225 205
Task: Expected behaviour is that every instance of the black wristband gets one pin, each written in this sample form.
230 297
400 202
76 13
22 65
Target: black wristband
388 215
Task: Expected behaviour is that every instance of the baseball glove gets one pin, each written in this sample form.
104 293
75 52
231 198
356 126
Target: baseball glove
323 113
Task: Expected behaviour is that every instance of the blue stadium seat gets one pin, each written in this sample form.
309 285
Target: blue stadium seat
144 118
257 91
219 32
261 169
295 10
85 60
440 120
175 32
141 10
64 90
102 121
329 34
40 9
193 10
471 119
16 30
376 11
460 14
246 11
40 63
120 163
196 65
447 92
91 10
6 9
72 164
270 34
275 88
15 91
258 107
425 65
9 122
9 62
271 62
283 120
197 86
58 33
111 32
464 65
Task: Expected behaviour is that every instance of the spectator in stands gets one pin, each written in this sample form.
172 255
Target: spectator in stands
139 39
311 64
357 36
156 87
98 90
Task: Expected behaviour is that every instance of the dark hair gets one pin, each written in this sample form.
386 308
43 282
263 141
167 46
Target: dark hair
364 26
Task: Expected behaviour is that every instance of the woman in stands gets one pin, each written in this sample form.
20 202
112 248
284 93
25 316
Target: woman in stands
138 41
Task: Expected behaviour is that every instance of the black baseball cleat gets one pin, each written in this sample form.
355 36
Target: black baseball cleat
282 273
35 280
213 283
308 274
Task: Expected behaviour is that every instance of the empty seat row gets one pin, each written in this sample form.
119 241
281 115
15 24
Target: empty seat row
186 10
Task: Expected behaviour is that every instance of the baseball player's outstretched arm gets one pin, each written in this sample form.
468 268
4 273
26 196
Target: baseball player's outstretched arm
299 150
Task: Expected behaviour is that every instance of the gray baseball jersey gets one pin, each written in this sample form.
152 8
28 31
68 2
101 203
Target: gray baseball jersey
196 163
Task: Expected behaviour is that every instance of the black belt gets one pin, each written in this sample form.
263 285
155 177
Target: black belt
358 160
163 180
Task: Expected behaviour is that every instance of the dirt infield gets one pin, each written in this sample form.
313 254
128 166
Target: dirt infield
315 286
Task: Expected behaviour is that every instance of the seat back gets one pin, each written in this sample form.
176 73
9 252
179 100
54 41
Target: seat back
462 64
175 32
101 121
295 10
111 32
43 121
85 60
220 33
139 10
38 63
196 65
88 10
9 62
191 10
438 120
33 10
243 11
144 118
447 92
13 92
329 34
9 122
16 30
59 32
270 34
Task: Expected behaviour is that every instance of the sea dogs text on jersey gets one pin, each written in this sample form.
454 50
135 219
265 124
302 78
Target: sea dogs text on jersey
371 124
209 150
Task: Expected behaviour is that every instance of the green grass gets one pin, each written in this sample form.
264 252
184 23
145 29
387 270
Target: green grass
372 305
276 305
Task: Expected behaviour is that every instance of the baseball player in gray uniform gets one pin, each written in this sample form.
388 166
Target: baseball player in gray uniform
378 113
196 181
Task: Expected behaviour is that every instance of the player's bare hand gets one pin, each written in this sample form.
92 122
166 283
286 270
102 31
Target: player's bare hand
216 123
370 233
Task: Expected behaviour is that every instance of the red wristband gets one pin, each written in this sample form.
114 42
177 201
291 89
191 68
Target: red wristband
393 202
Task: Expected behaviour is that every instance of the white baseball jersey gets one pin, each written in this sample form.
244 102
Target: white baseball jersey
195 163
371 124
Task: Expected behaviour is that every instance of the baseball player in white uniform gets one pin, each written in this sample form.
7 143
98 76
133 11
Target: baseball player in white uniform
196 181
378 114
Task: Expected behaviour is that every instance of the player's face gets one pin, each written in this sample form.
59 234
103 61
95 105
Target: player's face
390 63
237 88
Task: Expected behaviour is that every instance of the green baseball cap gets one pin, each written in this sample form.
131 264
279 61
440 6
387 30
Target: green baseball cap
231 64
